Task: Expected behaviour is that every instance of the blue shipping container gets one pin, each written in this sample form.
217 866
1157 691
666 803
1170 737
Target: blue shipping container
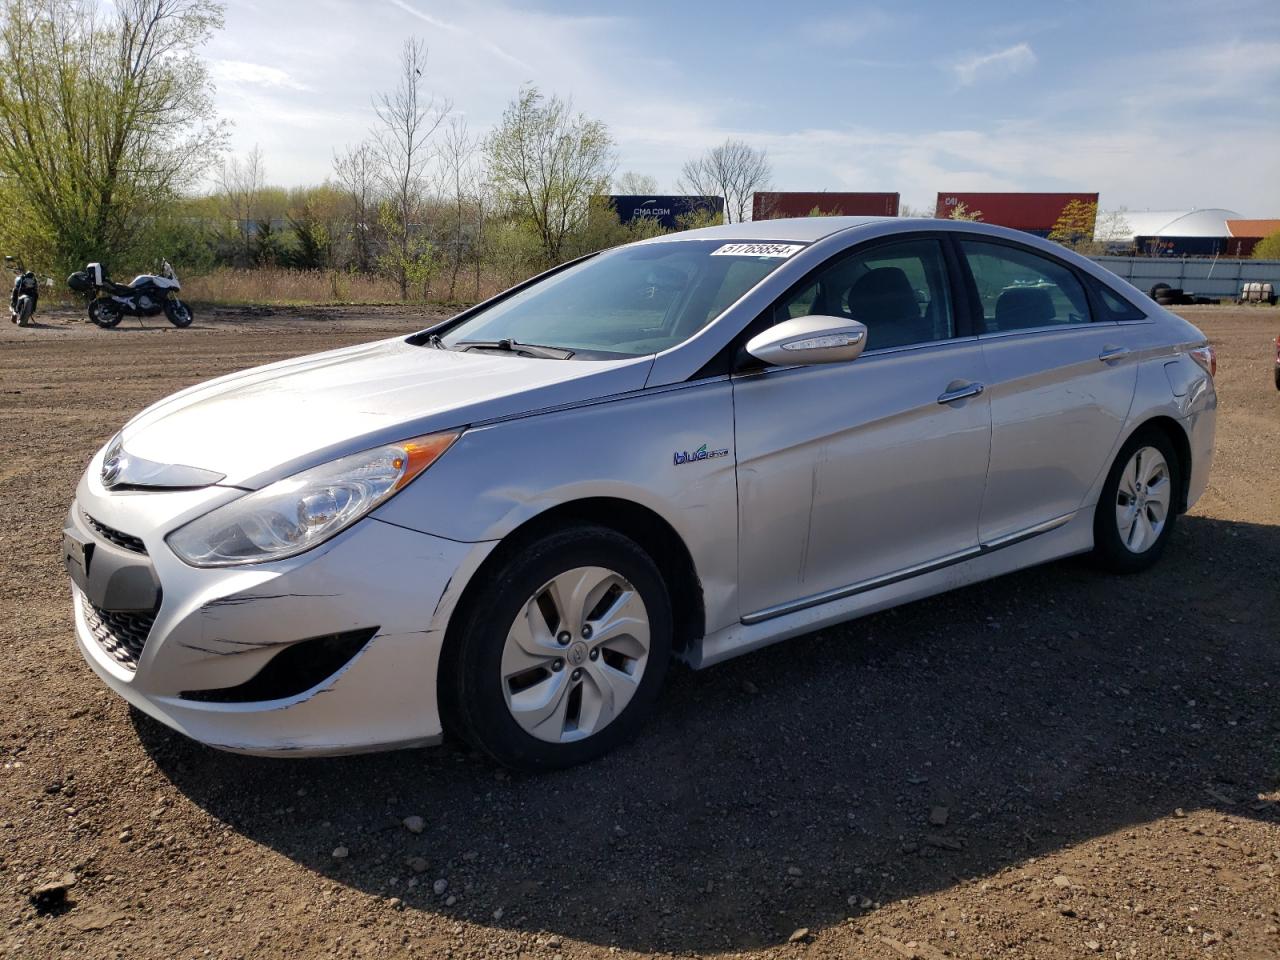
663 209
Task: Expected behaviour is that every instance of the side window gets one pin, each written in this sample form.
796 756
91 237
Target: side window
1020 289
899 290
1115 306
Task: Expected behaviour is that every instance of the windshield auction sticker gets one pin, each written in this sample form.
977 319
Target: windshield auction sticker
780 250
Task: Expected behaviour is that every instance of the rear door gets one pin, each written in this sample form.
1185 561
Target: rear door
1060 383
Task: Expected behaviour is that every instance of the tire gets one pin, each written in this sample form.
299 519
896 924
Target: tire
1158 290
25 310
1125 537
1278 376
494 694
1166 301
178 313
104 313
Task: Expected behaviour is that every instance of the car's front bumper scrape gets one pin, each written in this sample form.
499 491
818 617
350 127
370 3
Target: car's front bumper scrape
217 628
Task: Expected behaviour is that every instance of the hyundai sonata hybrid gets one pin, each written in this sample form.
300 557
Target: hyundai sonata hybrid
507 526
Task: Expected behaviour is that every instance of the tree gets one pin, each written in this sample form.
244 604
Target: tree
357 172
312 238
1114 227
106 114
961 211
733 170
546 163
632 184
907 210
240 186
1074 226
406 119
460 191
699 218
1268 248
267 245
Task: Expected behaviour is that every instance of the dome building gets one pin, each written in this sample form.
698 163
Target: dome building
1169 233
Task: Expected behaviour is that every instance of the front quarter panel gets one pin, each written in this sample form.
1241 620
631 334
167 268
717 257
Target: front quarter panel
500 475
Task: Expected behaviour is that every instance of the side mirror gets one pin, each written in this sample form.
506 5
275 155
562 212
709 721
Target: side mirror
8 259
805 340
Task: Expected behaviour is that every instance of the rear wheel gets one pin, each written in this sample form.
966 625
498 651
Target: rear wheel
1139 504
104 313
562 654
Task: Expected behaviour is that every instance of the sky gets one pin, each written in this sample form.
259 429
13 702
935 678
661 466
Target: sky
1158 106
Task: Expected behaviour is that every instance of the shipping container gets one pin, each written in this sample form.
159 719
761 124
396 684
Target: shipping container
1032 212
665 209
772 205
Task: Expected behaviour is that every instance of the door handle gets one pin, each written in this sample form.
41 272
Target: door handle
1111 354
962 392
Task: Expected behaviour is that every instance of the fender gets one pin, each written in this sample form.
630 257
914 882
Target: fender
502 474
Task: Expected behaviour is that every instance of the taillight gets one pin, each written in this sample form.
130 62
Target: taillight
1277 349
1207 359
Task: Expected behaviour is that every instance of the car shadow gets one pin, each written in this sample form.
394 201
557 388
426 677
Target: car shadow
890 757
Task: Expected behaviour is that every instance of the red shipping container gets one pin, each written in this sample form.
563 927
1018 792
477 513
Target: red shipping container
1033 212
772 205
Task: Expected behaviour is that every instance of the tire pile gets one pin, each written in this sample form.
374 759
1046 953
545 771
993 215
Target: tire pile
1168 296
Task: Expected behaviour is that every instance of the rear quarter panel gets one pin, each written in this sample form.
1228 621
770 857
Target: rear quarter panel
1172 385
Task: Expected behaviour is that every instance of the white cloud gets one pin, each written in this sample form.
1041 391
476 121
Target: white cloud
849 27
1001 63
242 73
1078 133
462 32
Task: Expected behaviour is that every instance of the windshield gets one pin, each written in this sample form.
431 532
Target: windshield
628 302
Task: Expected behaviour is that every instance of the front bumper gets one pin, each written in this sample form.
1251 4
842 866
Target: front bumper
218 628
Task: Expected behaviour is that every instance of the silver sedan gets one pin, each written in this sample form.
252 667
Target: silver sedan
508 525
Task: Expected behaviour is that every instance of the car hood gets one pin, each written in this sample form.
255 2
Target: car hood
261 424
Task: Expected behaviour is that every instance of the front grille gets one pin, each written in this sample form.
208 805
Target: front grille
112 535
121 635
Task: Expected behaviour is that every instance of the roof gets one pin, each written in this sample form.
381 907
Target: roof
793 230
1205 222
1253 228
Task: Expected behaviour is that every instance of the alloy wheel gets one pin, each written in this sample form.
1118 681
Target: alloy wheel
1143 499
575 654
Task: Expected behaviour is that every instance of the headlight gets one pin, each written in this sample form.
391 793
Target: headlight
306 509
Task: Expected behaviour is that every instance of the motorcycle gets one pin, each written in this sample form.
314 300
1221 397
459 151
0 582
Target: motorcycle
147 296
26 292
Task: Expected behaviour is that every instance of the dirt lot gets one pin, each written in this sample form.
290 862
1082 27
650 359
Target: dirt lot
1055 764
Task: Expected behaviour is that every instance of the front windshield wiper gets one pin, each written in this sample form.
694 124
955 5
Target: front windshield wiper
514 346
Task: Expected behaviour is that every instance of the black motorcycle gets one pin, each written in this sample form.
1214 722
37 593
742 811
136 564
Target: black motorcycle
147 296
25 295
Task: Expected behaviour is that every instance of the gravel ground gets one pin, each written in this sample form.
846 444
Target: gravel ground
1053 764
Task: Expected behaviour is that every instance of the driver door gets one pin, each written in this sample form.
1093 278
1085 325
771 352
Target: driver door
851 472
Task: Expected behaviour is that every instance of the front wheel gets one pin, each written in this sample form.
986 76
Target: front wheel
104 313
562 654
178 313
25 311
1139 504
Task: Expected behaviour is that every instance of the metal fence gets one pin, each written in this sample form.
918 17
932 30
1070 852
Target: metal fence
1209 277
